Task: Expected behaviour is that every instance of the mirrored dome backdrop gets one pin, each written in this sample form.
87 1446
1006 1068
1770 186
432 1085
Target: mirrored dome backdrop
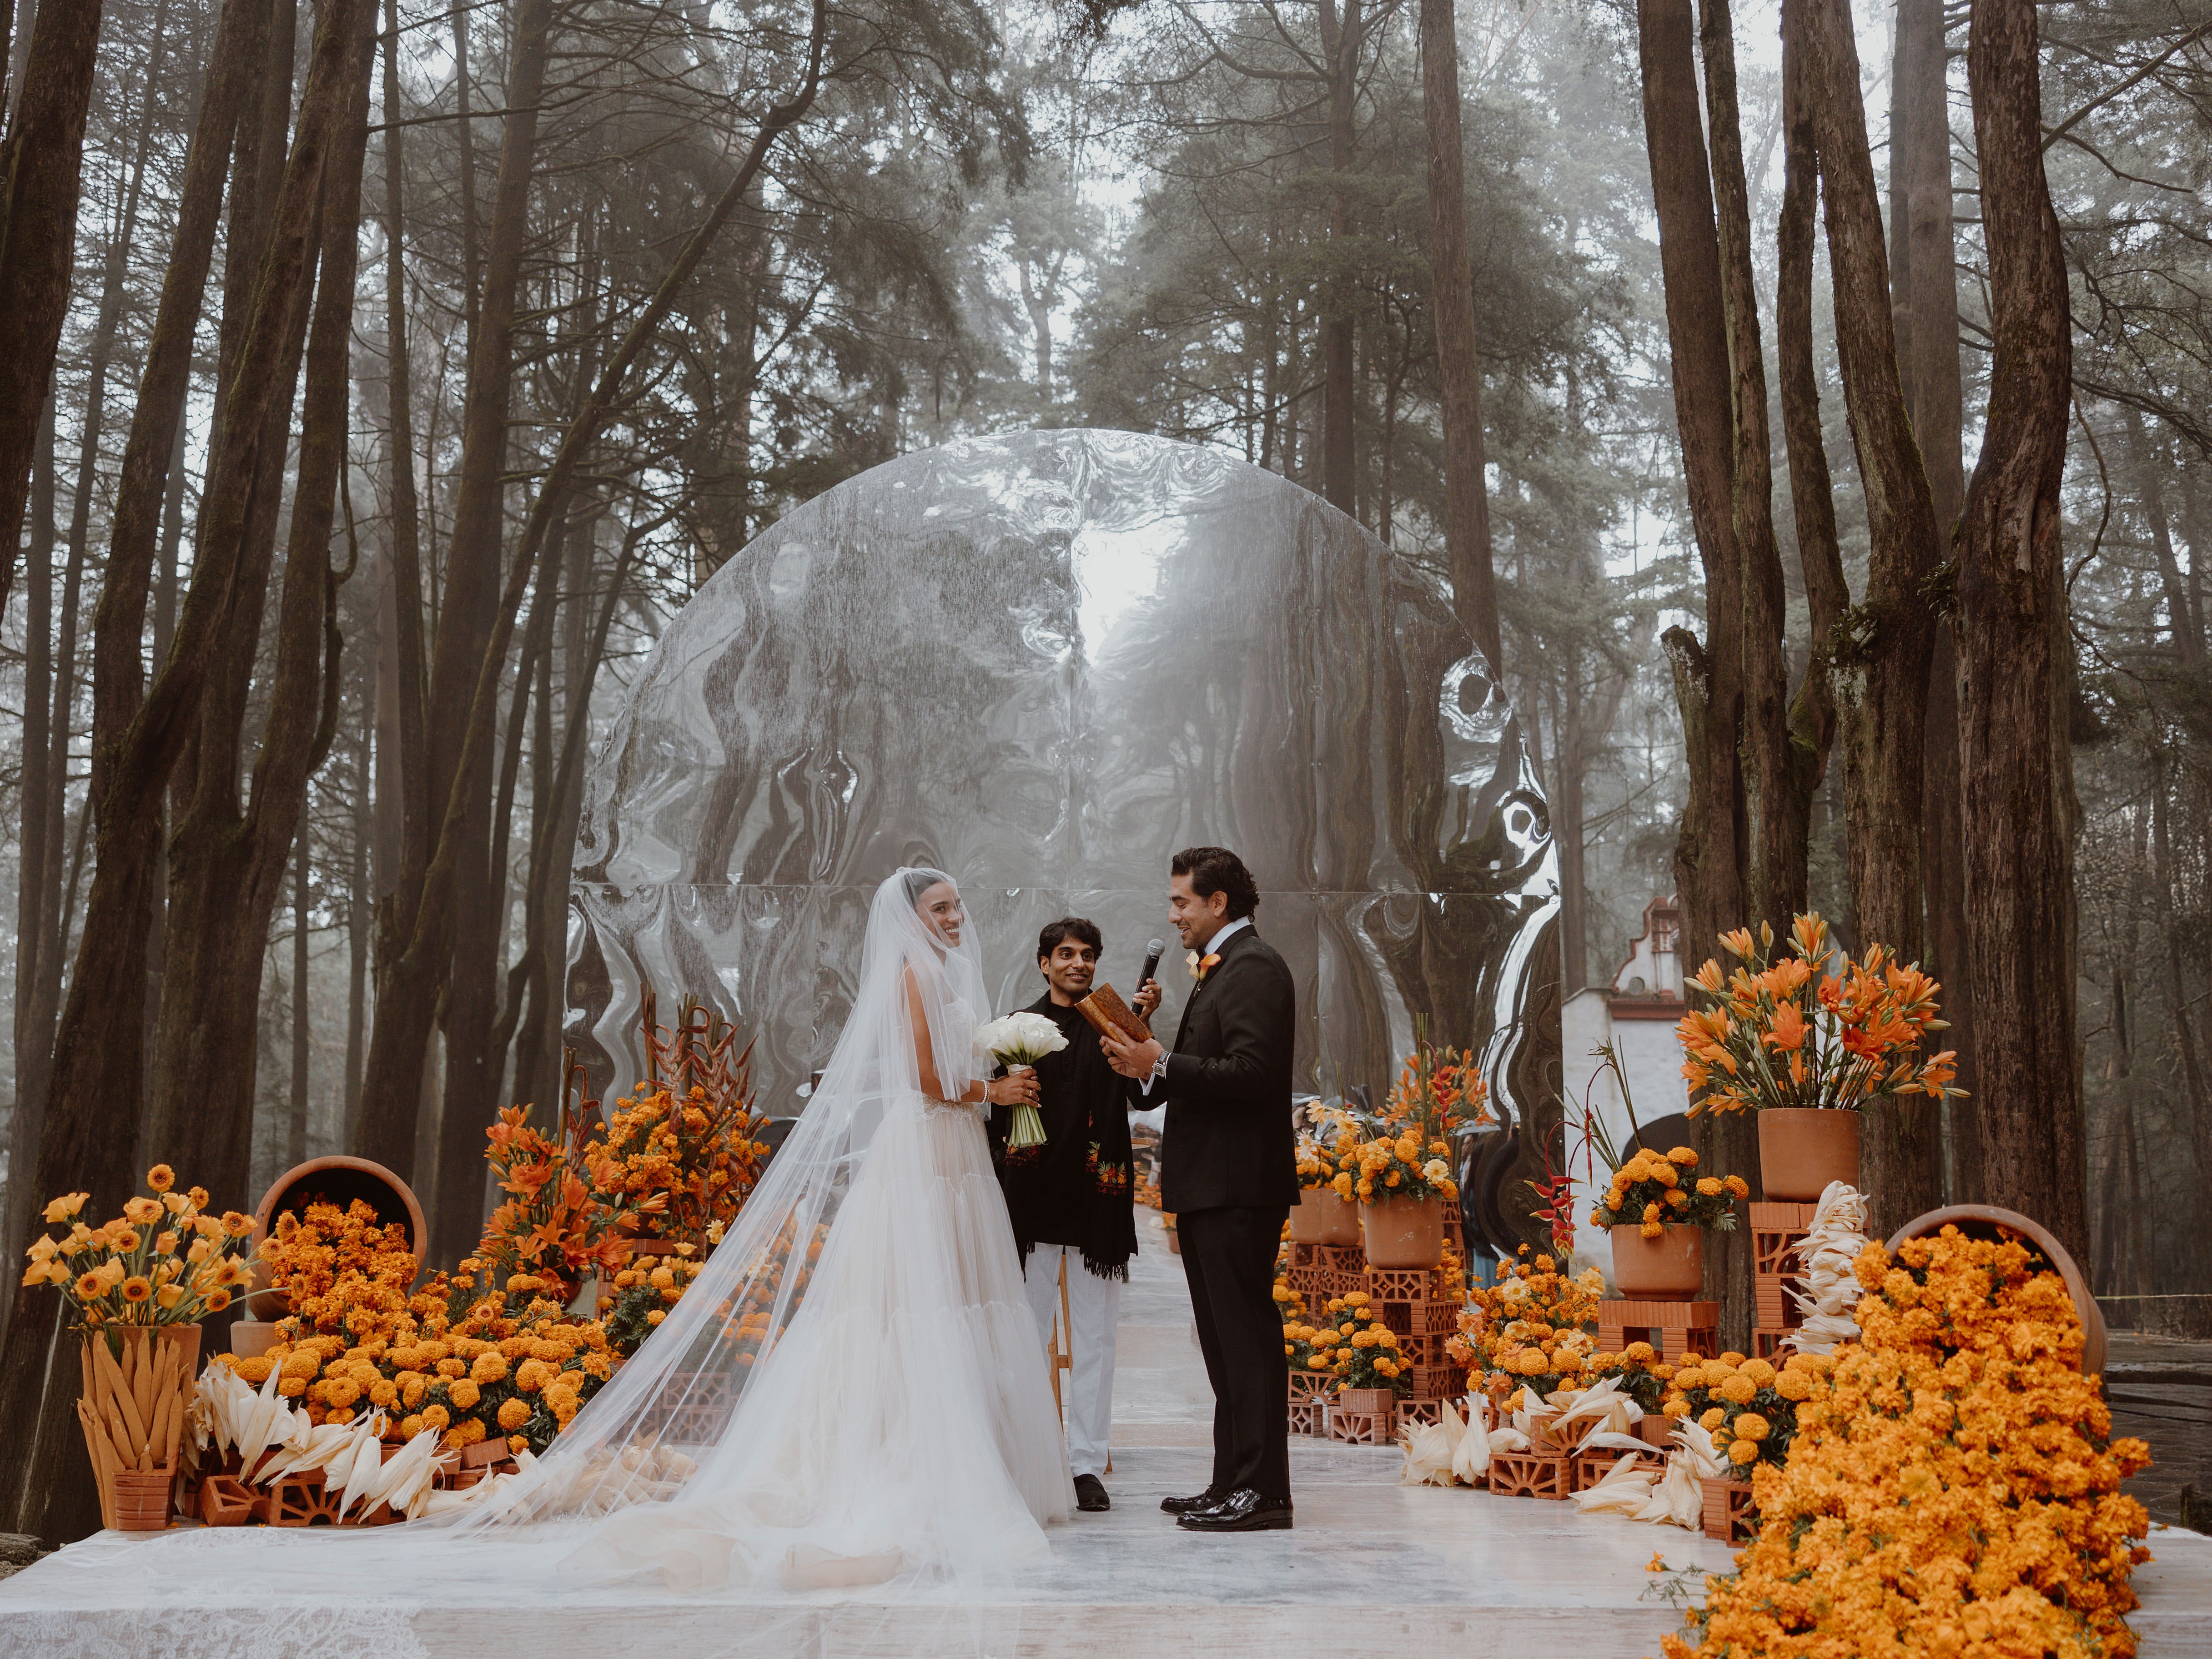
1044 662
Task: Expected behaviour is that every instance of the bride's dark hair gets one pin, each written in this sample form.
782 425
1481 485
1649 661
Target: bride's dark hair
921 880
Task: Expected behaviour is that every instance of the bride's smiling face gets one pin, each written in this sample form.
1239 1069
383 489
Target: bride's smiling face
939 907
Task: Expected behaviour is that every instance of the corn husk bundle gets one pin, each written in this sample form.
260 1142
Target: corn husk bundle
1430 1449
1625 1489
1598 1417
1831 1245
132 1409
1455 1451
273 1440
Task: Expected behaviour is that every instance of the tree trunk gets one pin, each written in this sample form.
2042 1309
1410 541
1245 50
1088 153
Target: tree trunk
403 759
464 627
2011 609
1883 679
1341 43
361 912
1812 495
1459 366
296 1140
1710 855
230 861
1778 796
40 166
42 803
97 1059
1924 306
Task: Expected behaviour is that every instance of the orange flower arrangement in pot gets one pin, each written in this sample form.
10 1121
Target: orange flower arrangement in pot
137 1288
1401 1174
1804 1047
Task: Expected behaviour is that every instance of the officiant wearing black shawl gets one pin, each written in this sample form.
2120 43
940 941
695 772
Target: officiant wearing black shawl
1069 1198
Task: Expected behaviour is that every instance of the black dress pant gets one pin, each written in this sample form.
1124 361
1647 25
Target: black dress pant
1229 1255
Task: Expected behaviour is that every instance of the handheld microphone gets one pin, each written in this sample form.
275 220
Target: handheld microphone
1153 951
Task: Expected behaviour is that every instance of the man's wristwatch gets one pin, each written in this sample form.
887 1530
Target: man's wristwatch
1160 1066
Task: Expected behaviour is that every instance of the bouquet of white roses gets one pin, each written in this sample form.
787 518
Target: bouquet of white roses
1017 1042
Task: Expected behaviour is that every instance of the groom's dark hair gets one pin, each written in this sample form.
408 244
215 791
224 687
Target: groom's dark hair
1217 870
1076 927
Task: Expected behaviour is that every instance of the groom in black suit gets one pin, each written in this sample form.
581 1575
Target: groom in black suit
1229 1173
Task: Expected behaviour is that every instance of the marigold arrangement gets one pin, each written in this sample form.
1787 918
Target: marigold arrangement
556 1222
1747 1406
344 1274
680 1166
468 1357
1954 1487
1652 1188
1406 1149
1638 1370
1789 1033
1360 1349
1529 1329
165 1261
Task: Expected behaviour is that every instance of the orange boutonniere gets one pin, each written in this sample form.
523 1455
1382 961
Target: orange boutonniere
1207 964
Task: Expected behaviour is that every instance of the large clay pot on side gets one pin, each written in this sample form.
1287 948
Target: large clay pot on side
1305 1220
1802 1148
1339 1224
1669 1268
1403 1233
1987 1221
341 1180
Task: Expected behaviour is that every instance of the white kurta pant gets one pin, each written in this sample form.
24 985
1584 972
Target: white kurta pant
1094 1307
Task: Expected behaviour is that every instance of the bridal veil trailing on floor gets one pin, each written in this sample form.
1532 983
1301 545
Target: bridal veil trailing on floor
851 1394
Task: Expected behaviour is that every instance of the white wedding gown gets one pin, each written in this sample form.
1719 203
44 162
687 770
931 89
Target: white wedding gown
905 1422
804 1421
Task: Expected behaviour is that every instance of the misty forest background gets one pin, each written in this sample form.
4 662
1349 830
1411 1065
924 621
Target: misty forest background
413 363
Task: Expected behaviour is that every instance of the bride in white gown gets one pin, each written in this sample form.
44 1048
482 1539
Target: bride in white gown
852 1391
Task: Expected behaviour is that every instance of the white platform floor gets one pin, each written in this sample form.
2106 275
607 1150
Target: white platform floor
1370 1562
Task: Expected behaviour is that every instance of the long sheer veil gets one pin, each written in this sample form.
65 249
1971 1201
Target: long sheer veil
641 1438
648 1437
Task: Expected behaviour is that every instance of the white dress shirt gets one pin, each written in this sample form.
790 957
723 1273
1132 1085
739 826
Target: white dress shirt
1212 948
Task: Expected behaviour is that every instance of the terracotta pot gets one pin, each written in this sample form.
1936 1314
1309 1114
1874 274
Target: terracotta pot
1403 1233
1323 1217
1987 1221
1802 1149
341 1180
1654 1430
1669 1268
142 1501
1363 1401
251 1337
132 1413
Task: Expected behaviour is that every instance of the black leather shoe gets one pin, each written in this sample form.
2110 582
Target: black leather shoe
1203 1500
1091 1494
1243 1511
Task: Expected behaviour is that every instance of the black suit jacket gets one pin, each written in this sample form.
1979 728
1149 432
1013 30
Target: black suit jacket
1228 1139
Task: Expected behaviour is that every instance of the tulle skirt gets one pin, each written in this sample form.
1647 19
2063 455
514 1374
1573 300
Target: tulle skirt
903 1423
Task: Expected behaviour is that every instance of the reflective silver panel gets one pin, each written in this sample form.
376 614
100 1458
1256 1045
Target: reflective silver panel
1044 662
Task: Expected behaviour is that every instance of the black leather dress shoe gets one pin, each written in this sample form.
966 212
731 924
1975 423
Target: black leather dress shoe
1091 1494
1205 1500
1243 1511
